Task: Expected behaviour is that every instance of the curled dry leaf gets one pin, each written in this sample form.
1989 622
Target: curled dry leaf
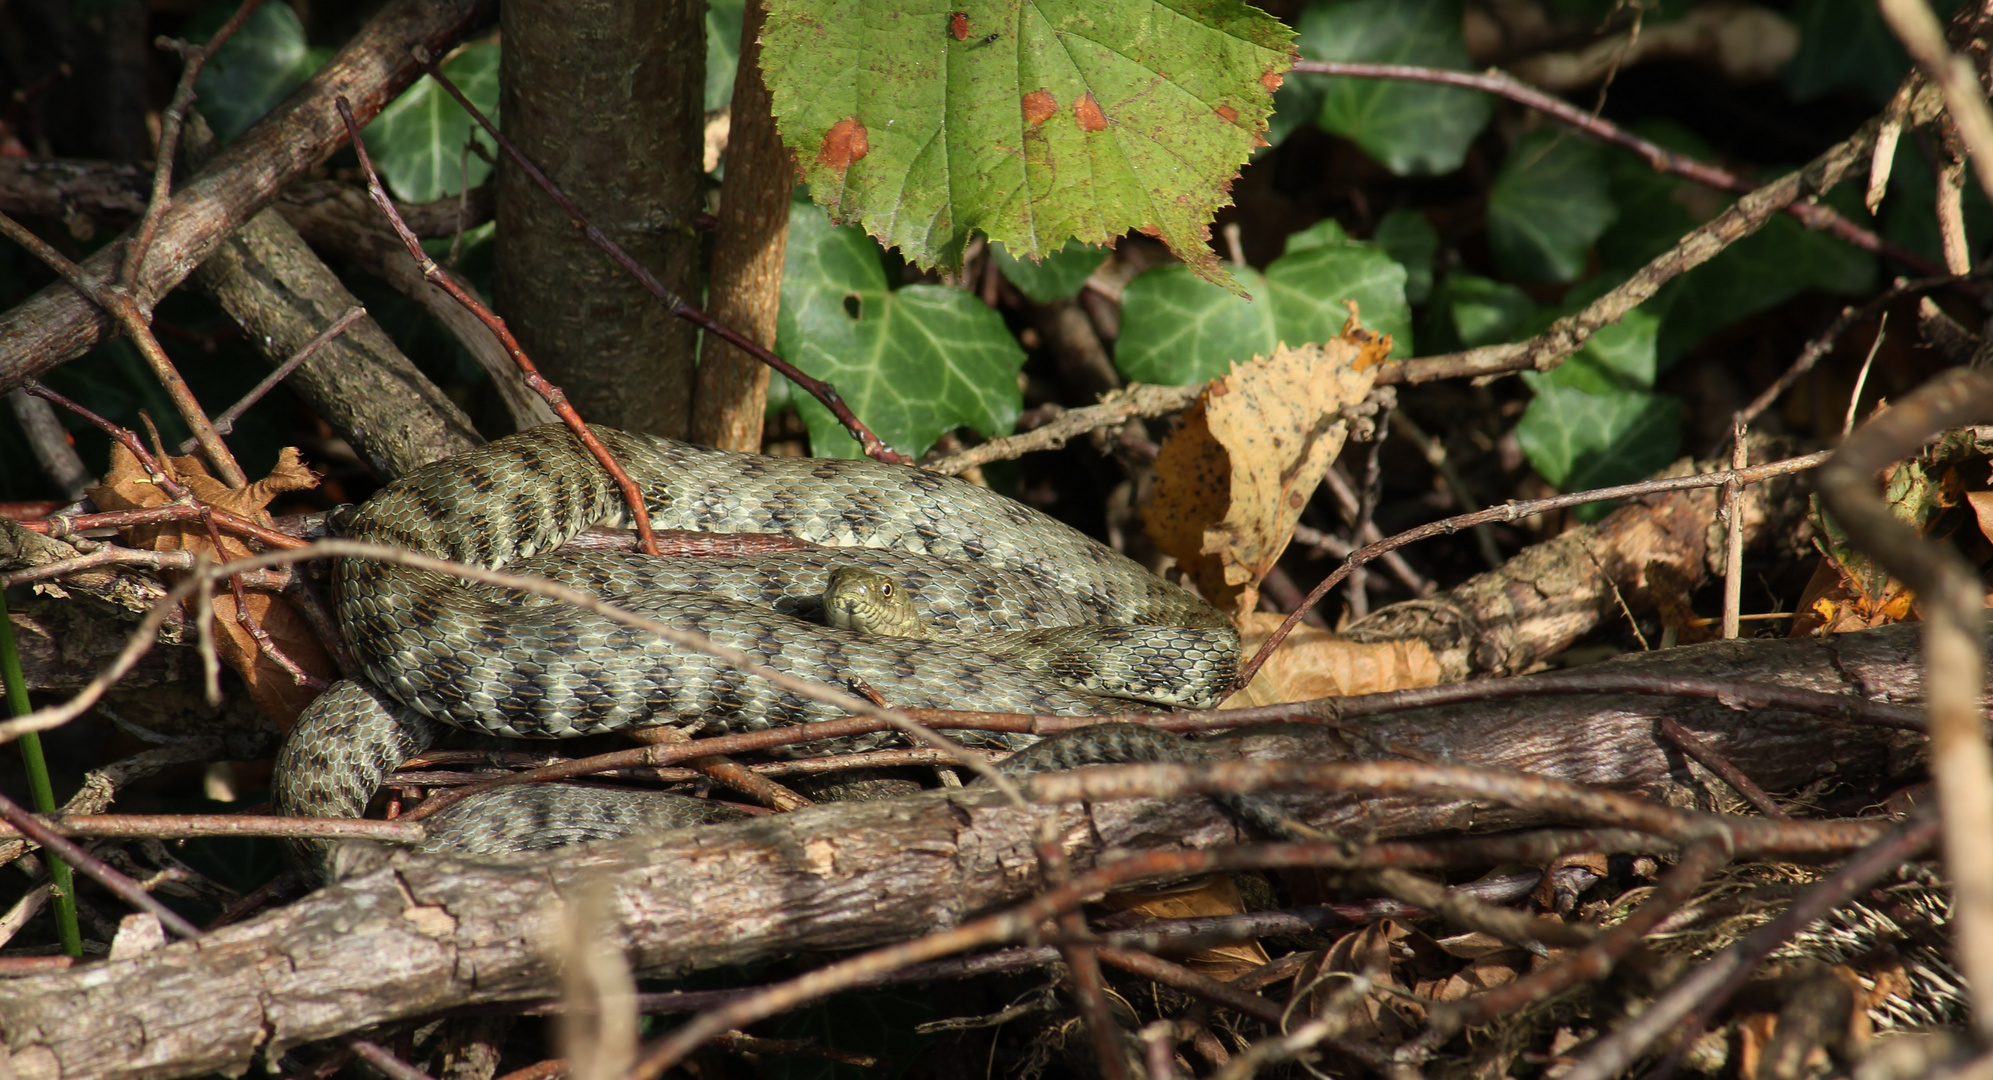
1232 480
126 487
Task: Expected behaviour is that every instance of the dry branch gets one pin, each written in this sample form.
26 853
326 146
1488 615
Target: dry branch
405 936
57 324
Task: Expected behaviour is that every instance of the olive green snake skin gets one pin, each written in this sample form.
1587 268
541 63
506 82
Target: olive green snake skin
1025 614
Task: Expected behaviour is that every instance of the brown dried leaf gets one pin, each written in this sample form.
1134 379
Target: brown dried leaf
127 487
1315 663
1215 895
1231 481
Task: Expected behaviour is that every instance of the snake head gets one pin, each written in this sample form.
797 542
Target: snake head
870 603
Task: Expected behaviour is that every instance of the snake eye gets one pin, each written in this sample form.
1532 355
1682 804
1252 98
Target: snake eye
886 589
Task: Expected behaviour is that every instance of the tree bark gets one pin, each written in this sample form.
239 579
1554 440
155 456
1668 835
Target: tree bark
606 98
271 284
404 936
746 288
57 324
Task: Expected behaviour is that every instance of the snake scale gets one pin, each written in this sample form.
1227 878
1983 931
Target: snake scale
1027 615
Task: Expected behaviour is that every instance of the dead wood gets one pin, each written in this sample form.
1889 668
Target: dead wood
56 324
1650 554
404 936
281 295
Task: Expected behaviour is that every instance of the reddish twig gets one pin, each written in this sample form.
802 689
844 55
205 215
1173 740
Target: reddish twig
265 646
817 388
1513 511
632 495
1501 84
70 525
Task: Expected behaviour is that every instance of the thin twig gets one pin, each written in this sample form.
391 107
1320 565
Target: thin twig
1733 538
1955 76
125 888
1861 378
1569 334
1951 599
225 423
1824 343
119 304
171 123
1707 756
1711 982
632 495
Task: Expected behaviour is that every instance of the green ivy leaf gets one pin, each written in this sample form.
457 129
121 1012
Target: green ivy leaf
1595 420
723 21
1034 121
418 140
1408 237
1411 128
1548 204
1327 232
1058 276
265 60
1485 311
912 362
1176 329
1579 440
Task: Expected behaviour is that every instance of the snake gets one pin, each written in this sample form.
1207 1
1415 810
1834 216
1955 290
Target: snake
1017 611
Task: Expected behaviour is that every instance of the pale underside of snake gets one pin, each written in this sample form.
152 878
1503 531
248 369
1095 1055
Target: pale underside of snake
1025 614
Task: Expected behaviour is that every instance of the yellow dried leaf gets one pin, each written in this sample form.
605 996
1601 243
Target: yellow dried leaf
1232 480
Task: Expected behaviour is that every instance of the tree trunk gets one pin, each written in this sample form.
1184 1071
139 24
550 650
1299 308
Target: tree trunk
607 99
747 260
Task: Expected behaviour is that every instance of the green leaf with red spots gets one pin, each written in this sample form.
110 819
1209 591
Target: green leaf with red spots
1030 121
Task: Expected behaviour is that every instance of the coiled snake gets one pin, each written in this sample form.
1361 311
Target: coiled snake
1026 615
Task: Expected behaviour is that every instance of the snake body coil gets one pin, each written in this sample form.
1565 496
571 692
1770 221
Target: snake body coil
1028 614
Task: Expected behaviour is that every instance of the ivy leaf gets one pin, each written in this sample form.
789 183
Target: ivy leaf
1176 329
1485 311
1034 121
1580 440
1548 204
912 362
1059 276
418 141
1595 420
1408 237
265 60
1411 128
